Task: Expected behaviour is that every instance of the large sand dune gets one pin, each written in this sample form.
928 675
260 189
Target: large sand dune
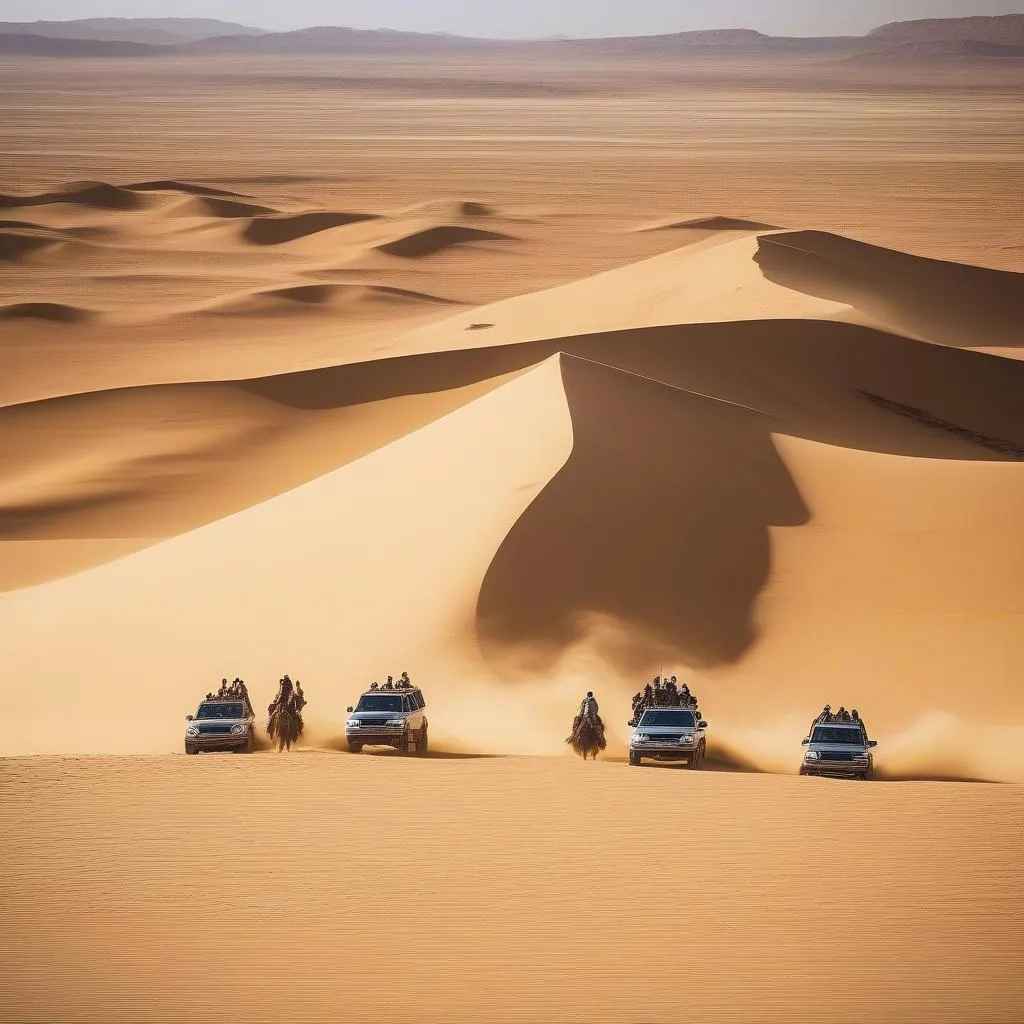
583 376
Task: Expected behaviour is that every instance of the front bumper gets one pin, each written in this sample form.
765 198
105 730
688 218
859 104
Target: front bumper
835 769
664 751
375 737
221 741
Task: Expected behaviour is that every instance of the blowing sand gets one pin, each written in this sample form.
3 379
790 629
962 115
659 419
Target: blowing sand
298 376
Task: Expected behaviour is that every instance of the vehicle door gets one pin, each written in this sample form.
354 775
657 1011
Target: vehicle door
415 713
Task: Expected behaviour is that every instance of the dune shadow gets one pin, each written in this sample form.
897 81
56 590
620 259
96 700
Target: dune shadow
951 303
658 520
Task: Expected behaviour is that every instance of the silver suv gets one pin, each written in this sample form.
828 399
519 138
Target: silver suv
220 725
669 734
839 750
389 718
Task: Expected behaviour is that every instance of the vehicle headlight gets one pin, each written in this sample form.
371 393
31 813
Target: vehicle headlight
686 739
238 729
352 723
812 755
191 731
396 721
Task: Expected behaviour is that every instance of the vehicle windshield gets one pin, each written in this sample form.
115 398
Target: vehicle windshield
379 702
835 734
674 718
234 710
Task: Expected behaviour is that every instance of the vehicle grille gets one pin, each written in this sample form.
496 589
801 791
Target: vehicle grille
842 755
214 730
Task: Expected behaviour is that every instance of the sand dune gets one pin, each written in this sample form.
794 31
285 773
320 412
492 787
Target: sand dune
17 241
948 303
215 206
54 312
96 194
709 225
276 230
355 299
187 187
433 240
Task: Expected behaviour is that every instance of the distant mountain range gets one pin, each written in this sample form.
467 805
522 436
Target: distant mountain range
1001 36
160 31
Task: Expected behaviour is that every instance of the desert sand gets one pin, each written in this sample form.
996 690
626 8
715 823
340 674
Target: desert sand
528 376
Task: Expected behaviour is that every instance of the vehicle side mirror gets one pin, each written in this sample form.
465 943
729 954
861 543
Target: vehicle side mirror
805 741
872 743
188 718
702 724
350 710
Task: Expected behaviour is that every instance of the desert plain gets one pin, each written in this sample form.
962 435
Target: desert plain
528 373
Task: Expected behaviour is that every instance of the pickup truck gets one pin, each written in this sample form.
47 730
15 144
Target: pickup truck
839 750
220 725
388 718
669 734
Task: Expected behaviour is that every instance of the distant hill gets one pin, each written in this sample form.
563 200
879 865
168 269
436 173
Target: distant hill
137 30
330 39
25 45
1002 30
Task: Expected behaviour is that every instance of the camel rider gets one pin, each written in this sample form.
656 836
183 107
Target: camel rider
589 704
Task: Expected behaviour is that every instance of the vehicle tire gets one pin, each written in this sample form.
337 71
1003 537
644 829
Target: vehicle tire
355 748
634 758
189 749
421 742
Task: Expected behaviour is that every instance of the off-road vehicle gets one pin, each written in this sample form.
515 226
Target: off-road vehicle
669 734
389 718
224 724
839 750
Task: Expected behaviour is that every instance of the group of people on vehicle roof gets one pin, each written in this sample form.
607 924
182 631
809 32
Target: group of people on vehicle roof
235 690
663 694
403 683
842 716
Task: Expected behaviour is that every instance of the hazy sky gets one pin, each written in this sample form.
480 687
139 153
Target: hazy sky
519 18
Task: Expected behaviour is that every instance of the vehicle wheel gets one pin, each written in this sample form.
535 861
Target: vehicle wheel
634 758
355 748
804 772
189 749
421 741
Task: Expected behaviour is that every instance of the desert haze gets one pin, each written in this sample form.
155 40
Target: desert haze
531 369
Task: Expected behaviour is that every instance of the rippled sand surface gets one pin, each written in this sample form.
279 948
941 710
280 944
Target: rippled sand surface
320 886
